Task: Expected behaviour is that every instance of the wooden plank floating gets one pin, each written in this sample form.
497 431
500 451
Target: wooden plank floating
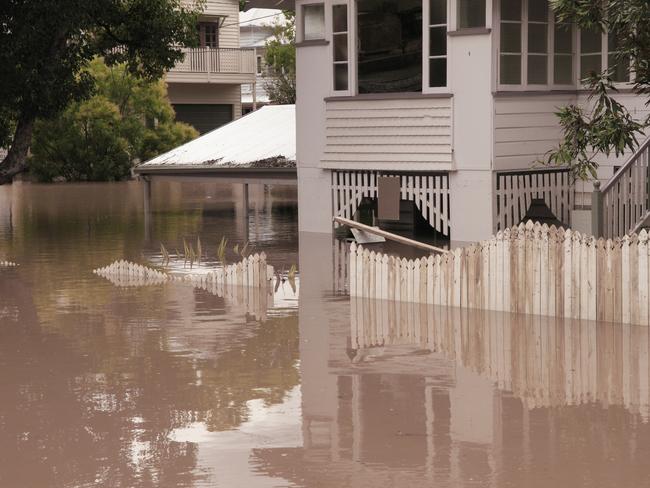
389 235
531 268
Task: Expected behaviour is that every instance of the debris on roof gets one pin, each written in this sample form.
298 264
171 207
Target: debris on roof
265 138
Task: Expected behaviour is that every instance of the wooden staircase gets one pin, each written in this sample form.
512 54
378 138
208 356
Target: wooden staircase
622 205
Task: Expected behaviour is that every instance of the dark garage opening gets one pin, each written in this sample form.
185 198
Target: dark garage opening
204 117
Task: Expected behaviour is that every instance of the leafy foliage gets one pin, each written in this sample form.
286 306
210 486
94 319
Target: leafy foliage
281 59
47 44
608 127
127 119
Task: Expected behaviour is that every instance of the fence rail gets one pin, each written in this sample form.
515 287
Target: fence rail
625 199
529 269
217 60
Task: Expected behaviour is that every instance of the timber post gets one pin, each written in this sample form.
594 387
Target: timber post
597 211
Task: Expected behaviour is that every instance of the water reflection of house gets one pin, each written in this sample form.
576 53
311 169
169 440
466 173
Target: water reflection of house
490 400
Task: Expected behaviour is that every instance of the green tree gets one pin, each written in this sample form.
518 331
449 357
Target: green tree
46 44
281 58
128 119
605 126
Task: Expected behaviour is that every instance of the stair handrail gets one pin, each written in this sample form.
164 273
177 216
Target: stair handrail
630 161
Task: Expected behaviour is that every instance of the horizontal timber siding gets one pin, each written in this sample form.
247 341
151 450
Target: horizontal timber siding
398 134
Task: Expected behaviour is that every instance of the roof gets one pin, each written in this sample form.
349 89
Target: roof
268 134
281 4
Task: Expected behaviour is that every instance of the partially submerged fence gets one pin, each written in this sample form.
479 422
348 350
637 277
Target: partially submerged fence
243 284
532 269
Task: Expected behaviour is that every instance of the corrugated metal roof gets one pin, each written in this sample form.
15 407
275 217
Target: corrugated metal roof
267 133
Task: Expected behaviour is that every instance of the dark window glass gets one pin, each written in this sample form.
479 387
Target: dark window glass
590 41
341 76
510 38
618 66
537 70
340 47
437 12
390 46
563 70
510 72
589 65
208 34
438 72
340 18
537 38
563 39
471 13
537 11
438 41
511 10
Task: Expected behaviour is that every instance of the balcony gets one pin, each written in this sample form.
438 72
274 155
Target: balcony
214 65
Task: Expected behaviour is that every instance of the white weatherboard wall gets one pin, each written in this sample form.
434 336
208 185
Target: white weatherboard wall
395 134
471 188
229 32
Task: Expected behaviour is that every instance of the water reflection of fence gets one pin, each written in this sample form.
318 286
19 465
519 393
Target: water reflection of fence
530 269
545 361
246 283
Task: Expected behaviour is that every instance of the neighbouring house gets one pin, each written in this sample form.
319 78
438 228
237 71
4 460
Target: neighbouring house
205 88
445 105
255 30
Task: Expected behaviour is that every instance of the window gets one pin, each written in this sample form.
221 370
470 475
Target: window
389 46
313 26
340 46
619 68
563 54
209 34
510 46
471 13
537 61
590 52
437 43
259 65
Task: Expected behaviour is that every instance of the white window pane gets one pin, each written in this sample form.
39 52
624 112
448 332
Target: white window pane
314 21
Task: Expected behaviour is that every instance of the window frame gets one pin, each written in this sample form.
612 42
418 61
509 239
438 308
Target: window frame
426 56
352 55
576 54
301 25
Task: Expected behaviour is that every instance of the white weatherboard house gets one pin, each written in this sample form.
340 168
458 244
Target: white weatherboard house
205 87
457 98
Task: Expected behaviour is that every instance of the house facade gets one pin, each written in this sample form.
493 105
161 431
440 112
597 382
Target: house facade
256 28
454 98
205 88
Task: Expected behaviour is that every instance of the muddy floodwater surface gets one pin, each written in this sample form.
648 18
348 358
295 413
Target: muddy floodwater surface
172 385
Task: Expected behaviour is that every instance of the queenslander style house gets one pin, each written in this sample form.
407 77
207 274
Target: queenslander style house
457 100
205 88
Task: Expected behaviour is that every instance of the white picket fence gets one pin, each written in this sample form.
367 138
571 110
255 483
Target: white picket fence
529 268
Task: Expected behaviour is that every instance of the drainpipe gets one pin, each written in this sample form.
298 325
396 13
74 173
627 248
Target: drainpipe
597 211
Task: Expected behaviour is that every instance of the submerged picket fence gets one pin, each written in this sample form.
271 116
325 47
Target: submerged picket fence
531 268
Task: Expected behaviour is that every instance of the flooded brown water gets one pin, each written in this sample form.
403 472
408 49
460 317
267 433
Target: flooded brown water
171 386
